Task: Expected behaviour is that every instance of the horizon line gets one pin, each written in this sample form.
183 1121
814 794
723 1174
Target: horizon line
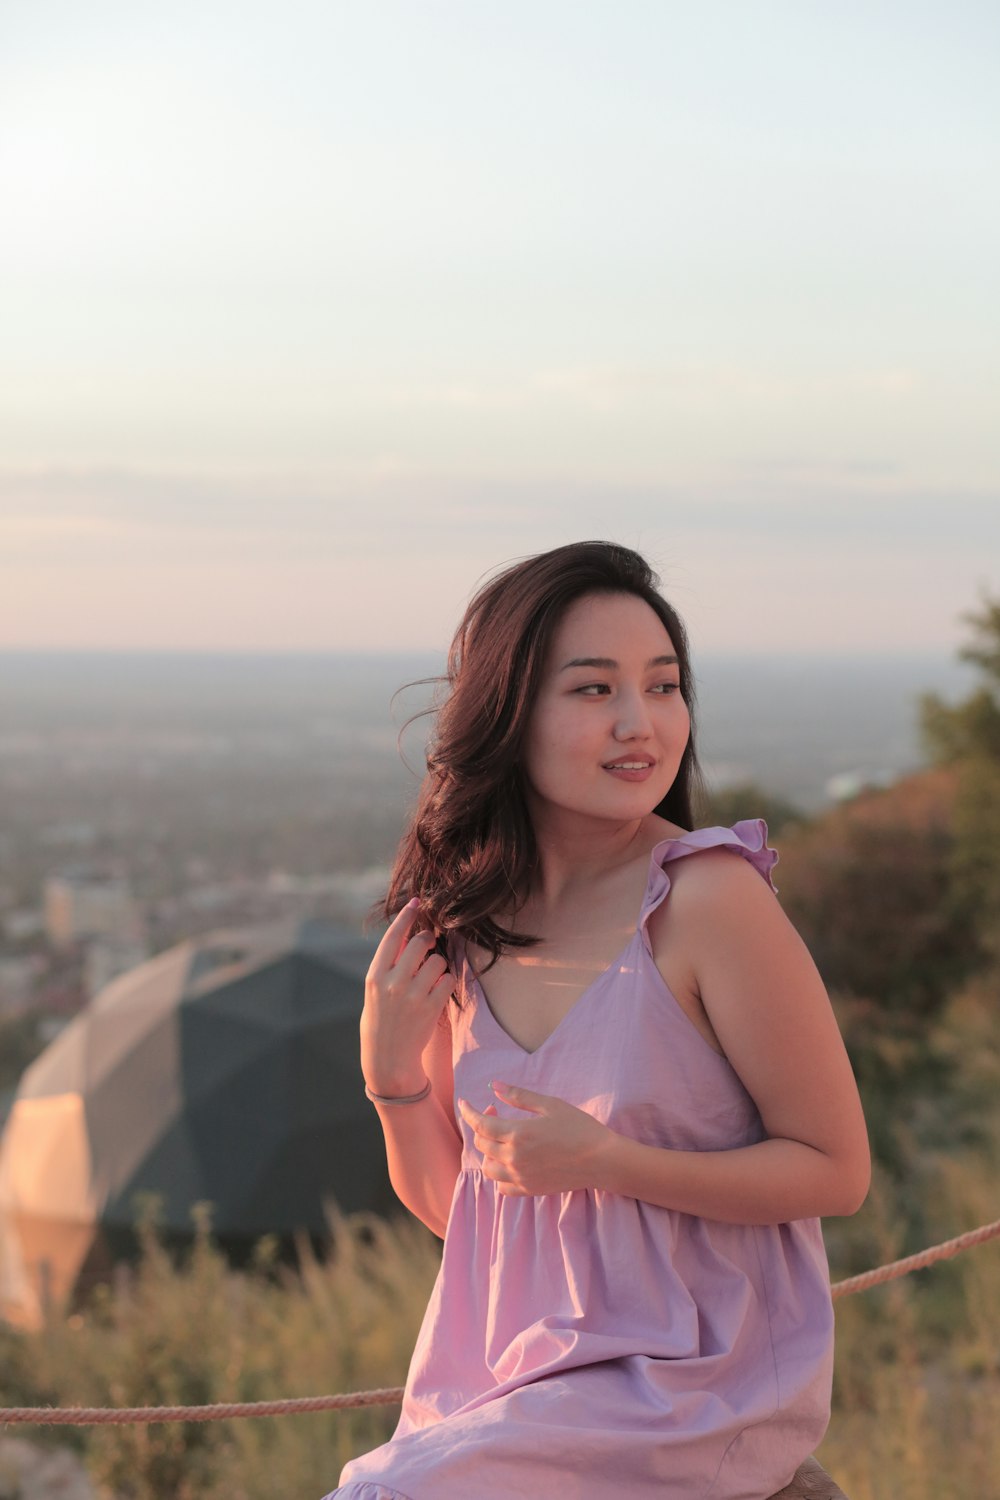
357 653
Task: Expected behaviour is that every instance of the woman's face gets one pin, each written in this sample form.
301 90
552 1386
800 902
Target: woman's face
609 696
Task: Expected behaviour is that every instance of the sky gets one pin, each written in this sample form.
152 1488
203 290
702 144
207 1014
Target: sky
313 315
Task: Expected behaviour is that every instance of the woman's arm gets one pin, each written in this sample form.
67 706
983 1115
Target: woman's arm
769 1008
771 1182
406 1040
423 1146
770 1011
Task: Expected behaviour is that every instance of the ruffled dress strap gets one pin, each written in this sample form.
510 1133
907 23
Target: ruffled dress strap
747 838
365 1489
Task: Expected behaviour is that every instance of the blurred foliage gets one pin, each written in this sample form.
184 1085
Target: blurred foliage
193 1331
897 895
916 1398
871 900
916 1401
729 805
966 736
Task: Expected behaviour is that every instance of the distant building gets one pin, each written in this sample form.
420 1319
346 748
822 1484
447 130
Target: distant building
27 922
18 977
79 906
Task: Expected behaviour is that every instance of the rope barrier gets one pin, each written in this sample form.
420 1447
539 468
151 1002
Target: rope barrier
916 1262
94 1416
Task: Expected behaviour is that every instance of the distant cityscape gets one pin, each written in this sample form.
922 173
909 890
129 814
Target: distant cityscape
149 798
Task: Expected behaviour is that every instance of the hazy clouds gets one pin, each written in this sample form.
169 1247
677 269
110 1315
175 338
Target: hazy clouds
314 313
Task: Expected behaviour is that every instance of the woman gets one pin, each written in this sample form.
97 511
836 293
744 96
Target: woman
624 1113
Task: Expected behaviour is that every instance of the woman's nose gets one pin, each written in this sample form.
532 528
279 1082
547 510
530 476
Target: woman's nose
633 718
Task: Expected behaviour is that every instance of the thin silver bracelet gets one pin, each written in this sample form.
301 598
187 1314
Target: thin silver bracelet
399 1098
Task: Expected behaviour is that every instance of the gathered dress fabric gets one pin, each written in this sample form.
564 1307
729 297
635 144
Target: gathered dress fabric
587 1345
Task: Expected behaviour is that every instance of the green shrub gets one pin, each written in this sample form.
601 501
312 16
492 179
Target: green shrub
197 1332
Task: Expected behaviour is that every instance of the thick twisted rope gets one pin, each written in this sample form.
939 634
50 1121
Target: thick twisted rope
916 1262
94 1416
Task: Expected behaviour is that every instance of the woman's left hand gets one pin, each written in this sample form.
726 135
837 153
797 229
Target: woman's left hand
556 1152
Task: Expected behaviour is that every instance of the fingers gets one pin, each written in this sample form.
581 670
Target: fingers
429 965
418 957
476 1118
394 939
402 955
444 987
526 1099
495 1140
488 1129
522 1098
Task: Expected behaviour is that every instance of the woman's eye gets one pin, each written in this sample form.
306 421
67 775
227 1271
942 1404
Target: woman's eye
592 689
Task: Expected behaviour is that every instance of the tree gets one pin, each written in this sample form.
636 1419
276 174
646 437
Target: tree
966 736
731 804
867 887
863 886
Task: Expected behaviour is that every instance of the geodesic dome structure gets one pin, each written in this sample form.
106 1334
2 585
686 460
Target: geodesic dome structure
223 1070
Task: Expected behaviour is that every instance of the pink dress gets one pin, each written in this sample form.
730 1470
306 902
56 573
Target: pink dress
584 1345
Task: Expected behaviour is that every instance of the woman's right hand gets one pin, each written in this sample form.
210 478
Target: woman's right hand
406 988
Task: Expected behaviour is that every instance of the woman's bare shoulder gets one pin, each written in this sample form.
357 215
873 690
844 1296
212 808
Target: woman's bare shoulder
713 891
718 874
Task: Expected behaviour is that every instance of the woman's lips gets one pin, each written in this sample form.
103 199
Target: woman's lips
622 775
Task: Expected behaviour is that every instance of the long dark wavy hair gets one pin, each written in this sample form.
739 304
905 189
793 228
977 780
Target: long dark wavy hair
469 849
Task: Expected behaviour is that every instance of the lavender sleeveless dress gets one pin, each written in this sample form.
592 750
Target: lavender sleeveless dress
584 1345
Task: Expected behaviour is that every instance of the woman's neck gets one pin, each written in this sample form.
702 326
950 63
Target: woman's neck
573 855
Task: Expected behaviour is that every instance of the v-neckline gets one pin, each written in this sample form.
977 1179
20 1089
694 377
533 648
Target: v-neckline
534 1051
615 963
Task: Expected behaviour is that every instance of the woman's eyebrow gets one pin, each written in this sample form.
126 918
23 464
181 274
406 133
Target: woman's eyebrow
609 662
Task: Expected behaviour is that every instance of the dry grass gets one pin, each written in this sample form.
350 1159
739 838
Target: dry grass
917 1385
201 1333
